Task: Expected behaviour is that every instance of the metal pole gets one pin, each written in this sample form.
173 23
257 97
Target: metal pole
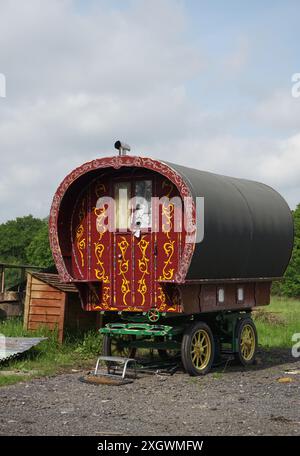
2 279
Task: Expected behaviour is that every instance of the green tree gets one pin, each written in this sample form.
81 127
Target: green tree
15 237
290 286
38 252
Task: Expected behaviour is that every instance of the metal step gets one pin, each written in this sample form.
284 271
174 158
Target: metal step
112 361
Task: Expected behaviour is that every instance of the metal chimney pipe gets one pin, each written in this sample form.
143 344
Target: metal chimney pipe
122 147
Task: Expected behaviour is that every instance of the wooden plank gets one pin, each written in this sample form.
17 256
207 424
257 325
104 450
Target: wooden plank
45 287
36 281
45 310
62 319
52 295
44 318
262 293
27 301
36 325
46 302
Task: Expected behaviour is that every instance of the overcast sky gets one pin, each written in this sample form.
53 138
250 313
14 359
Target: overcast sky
205 84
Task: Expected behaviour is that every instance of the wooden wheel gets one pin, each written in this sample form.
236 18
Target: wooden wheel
113 346
247 341
197 349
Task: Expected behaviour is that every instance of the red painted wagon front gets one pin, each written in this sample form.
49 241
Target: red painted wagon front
120 235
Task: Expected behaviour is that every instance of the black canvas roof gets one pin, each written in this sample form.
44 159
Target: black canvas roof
248 228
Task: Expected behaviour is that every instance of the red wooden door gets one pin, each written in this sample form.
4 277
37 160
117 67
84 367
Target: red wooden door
132 259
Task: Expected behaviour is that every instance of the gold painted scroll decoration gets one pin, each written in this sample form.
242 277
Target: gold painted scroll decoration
167 214
100 272
143 264
123 268
80 239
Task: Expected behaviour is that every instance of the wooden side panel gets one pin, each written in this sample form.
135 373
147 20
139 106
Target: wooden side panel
190 298
36 309
249 297
44 306
230 296
27 300
41 318
262 293
32 325
78 319
252 294
208 298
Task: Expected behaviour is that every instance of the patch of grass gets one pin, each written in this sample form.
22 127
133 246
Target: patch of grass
11 379
217 375
277 323
49 357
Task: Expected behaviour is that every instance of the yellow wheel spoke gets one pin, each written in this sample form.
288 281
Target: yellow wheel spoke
247 342
200 349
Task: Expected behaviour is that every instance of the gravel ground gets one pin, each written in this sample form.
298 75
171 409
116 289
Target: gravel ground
230 400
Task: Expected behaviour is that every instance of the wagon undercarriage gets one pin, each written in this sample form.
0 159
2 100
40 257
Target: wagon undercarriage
199 340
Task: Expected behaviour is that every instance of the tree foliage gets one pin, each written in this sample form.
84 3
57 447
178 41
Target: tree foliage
24 241
290 286
15 237
38 252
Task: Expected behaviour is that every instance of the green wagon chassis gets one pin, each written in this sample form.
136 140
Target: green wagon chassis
199 339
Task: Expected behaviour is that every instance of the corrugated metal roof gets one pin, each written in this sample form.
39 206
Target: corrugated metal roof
54 281
12 346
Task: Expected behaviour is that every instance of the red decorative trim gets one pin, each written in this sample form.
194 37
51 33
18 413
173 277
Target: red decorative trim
117 162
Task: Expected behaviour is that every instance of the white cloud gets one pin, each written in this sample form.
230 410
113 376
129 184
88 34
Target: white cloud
274 162
279 111
77 82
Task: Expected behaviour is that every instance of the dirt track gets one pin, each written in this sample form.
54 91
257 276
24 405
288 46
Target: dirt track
233 402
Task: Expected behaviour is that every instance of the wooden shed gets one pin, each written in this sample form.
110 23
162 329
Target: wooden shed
56 305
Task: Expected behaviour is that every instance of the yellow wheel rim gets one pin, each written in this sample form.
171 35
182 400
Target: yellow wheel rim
201 349
247 342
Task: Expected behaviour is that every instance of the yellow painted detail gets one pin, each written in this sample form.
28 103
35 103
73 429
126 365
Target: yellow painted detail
143 265
167 214
80 239
99 247
201 349
247 342
123 268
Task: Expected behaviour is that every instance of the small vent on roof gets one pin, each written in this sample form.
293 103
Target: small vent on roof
122 147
